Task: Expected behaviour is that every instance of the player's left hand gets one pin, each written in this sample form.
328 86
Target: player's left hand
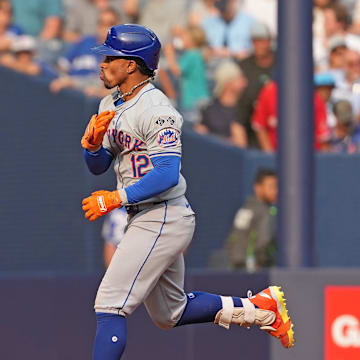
96 130
100 203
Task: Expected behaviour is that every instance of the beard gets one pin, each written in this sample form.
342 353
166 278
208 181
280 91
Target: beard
105 81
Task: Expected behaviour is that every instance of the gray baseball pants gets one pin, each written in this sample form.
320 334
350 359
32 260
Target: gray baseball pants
148 265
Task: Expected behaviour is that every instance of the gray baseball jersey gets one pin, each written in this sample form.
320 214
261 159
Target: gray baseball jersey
148 264
144 127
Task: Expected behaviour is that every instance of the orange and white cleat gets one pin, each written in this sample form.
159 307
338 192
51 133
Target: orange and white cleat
267 309
273 299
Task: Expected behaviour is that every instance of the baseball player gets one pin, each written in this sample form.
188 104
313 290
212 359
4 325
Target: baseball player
138 129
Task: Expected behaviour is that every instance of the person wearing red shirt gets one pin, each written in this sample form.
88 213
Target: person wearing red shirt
264 120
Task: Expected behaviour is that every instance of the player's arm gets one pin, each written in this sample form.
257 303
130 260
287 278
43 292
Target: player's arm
162 177
162 139
97 158
98 161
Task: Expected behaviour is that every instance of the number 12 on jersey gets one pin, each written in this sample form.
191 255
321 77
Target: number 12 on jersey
139 165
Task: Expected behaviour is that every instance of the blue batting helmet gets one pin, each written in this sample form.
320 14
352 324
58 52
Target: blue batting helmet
130 40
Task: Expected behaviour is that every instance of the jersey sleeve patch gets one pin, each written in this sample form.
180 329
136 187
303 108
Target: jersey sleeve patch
168 138
165 121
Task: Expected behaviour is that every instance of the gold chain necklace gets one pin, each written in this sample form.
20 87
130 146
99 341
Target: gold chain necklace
122 96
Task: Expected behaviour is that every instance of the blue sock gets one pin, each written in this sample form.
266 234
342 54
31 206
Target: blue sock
110 337
202 307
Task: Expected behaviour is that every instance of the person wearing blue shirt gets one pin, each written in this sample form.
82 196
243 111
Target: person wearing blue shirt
229 33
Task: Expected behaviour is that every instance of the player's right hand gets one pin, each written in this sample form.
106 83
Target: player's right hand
100 203
96 130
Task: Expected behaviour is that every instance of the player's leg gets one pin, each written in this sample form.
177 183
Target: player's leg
168 305
110 339
147 249
168 302
266 309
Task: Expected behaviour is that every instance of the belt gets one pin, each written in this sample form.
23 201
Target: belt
134 209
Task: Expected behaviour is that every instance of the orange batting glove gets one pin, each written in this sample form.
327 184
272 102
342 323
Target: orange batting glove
100 203
96 130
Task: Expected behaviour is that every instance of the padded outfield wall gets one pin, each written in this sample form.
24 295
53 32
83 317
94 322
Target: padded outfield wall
50 317
43 179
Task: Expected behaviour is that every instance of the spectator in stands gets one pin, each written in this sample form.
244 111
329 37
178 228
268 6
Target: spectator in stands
346 133
22 57
229 33
324 85
349 87
8 31
192 72
336 23
200 10
336 20
112 232
80 66
264 120
82 17
337 59
39 18
42 19
219 116
258 69
252 243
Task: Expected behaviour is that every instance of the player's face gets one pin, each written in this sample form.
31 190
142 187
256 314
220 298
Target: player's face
114 71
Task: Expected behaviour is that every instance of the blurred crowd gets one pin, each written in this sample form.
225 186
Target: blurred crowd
218 61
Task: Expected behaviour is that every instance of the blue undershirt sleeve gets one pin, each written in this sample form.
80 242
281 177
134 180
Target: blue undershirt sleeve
162 177
98 161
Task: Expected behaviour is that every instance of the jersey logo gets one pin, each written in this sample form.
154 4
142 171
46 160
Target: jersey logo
168 138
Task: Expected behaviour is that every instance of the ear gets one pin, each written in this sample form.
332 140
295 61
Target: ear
132 66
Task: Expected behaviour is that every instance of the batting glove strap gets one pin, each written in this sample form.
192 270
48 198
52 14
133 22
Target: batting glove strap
123 196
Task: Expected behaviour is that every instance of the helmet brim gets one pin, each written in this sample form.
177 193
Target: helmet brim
106 50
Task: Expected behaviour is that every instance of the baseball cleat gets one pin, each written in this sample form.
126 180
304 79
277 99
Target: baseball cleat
273 299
